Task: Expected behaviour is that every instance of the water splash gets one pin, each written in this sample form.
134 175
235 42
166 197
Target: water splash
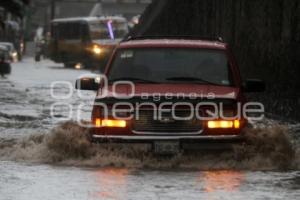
268 148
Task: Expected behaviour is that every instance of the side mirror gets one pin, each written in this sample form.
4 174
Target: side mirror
87 83
254 85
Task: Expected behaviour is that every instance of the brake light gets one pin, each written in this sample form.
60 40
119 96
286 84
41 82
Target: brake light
222 124
110 123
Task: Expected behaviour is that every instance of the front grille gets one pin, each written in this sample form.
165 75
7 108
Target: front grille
147 124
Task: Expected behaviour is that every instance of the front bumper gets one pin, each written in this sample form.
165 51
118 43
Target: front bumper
186 142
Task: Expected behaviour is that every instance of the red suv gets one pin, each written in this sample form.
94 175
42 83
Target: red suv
173 93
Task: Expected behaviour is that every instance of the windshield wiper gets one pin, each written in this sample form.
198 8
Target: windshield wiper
135 80
190 79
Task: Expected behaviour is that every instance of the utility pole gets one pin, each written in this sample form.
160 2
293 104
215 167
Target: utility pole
53 8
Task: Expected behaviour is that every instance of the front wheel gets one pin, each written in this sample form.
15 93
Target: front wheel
5 69
37 57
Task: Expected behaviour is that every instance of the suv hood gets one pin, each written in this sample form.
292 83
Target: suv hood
188 90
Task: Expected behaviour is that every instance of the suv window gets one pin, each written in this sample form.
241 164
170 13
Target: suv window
70 30
170 65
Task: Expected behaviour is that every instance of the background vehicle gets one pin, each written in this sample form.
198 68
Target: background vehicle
13 34
5 67
86 41
13 54
178 68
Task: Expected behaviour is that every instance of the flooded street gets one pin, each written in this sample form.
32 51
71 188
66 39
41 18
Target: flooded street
21 181
42 157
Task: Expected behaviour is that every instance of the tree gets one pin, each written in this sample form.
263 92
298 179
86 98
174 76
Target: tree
264 35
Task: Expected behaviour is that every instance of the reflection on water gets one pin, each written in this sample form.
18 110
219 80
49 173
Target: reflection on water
214 181
112 183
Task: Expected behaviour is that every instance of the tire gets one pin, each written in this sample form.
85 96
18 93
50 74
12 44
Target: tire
20 57
5 69
37 57
9 69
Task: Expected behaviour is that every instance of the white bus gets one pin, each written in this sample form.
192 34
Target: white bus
86 42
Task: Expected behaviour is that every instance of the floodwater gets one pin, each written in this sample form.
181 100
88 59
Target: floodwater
43 157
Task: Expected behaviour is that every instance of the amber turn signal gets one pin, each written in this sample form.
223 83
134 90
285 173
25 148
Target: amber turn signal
222 124
110 123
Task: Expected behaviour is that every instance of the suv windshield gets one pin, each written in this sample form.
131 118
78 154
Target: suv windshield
69 30
170 65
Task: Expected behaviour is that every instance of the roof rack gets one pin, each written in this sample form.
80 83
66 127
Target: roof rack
184 37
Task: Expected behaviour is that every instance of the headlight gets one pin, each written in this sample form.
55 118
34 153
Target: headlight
78 66
97 50
14 54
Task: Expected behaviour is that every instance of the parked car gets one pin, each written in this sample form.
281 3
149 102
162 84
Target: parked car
14 34
13 54
5 67
168 72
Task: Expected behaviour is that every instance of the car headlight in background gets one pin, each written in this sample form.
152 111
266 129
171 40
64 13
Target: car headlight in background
79 66
97 50
14 54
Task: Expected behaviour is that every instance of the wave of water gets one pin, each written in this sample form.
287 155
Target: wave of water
269 148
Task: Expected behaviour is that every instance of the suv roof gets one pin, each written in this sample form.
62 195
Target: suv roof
89 19
173 42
